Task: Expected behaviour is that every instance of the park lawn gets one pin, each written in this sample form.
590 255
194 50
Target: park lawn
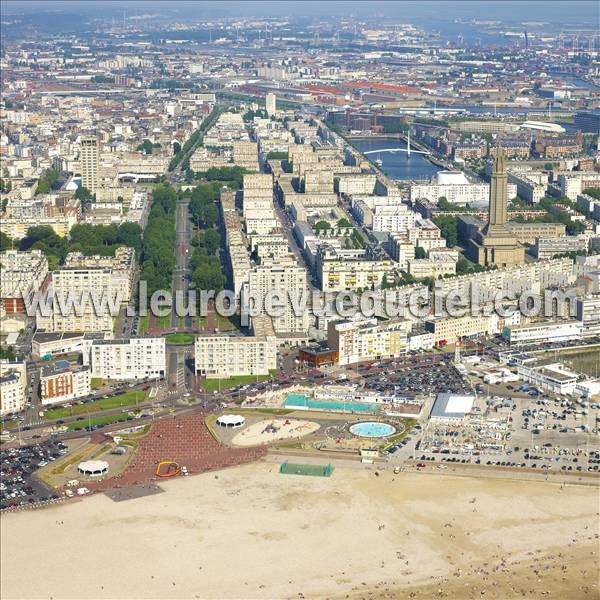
143 326
199 322
180 338
225 323
215 384
96 382
123 400
96 421
8 424
164 322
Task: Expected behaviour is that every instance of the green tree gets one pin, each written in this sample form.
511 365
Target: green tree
46 182
420 252
212 240
5 242
448 227
145 147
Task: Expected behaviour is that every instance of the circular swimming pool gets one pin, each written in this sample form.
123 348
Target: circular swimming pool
372 429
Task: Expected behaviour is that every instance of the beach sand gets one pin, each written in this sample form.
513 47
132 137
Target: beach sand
249 532
286 429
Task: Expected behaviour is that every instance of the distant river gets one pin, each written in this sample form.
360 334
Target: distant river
397 165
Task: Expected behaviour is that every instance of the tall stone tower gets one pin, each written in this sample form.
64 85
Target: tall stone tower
498 191
496 244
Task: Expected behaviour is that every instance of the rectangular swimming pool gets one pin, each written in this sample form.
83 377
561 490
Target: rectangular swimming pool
301 401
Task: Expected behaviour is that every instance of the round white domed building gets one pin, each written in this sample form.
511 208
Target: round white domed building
93 468
231 421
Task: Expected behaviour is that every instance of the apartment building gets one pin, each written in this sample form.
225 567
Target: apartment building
421 268
571 184
135 358
90 163
23 274
393 218
457 189
531 276
529 186
446 330
357 183
288 279
527 233
426 234
368 339
402 250
60 382
588 312
271 103
337 272
548 247
87 280
318 181
13 386
223 356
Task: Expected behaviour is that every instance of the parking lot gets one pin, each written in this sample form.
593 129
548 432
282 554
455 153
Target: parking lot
422 377
18 486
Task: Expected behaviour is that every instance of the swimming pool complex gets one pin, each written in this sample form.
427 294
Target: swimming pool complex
372 429
301 401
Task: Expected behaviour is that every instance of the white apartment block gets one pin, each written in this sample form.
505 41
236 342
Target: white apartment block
62 383
13 384
287 278
336 273
87 279
468 193
357 183
222 356
402 250
23 274
427 267
449 329
531 276
426 234
368 339
588 312
258 192
135 358
573 183
529 188
395 218
269 247
548 247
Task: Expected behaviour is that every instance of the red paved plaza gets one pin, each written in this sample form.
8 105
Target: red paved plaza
184 439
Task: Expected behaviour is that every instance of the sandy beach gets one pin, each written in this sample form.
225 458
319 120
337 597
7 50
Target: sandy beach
271 430
249 532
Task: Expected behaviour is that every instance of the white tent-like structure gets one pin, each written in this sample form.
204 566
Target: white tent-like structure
231 421
93 468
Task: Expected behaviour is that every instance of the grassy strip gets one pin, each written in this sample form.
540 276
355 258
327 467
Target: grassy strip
163 322
180 338
123 400
215 384
96 382
143 325
96 421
